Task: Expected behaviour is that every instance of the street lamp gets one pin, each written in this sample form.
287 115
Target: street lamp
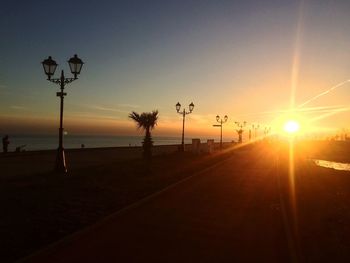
221 121
50 66
255 128
184 113
267 131
240 131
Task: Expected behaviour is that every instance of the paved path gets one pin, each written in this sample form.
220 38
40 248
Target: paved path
229 213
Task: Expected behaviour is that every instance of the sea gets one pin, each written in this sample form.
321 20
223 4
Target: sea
50 142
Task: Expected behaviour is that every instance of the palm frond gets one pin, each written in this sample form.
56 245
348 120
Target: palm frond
137 118
145 120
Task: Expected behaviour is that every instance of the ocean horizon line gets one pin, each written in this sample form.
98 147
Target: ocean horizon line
50 142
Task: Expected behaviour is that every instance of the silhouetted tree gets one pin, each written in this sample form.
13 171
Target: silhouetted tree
240 133
146 121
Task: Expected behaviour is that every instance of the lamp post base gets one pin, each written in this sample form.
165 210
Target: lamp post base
182 148
60 161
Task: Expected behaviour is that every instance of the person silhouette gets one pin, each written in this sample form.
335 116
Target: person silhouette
5 143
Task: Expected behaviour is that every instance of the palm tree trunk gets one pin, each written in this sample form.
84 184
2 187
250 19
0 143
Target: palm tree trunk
147 144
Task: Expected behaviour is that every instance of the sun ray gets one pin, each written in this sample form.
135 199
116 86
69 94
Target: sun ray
296 55
293 126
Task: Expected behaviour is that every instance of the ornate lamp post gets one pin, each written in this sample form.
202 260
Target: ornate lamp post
267 131
255 128
50 66
184 113
240 131
221 121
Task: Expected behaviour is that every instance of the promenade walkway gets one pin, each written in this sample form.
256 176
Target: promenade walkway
228 213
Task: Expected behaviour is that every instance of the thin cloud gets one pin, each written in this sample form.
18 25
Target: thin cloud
102 108
88 115
330 113
319 109
324 93
126 105
15 107
197 118
203 119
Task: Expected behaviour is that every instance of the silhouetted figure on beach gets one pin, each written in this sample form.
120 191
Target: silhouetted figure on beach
5 143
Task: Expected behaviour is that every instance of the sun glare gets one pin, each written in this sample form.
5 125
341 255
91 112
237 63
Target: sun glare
291 126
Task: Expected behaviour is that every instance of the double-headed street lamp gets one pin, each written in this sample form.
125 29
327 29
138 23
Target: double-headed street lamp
50 66
221 121
267 131
184 113
255 128
240 131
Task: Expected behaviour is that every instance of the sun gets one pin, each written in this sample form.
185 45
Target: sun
291 126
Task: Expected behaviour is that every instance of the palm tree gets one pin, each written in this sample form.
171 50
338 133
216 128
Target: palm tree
146 121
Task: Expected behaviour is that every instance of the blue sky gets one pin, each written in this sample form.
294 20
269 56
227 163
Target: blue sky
228 57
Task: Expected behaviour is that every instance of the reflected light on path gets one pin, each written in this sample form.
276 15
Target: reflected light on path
291 174
294 228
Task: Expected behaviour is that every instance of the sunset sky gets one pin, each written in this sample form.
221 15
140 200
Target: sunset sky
251 60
